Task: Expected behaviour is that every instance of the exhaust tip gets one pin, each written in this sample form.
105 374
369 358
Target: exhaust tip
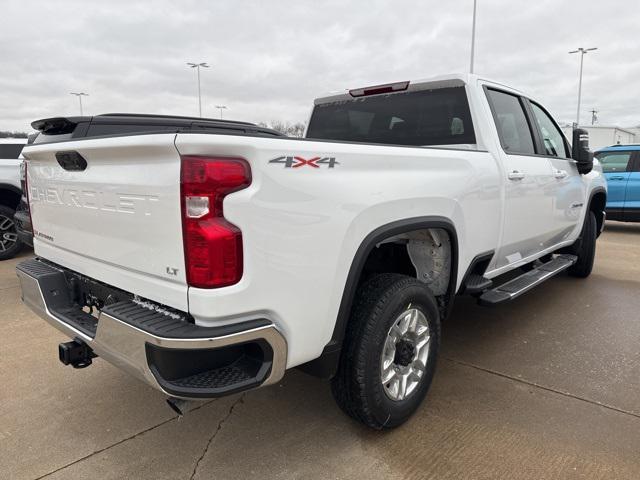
178 405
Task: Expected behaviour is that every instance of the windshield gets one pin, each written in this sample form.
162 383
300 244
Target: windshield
424 117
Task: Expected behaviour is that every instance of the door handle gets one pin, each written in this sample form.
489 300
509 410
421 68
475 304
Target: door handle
616 178
516 175
560 174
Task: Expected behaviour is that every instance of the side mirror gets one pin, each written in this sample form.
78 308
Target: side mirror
580 151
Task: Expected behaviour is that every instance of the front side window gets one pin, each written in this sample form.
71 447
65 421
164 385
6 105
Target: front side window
614 162
425 117
511 121
554 144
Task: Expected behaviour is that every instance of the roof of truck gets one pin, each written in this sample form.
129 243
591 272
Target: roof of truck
440 81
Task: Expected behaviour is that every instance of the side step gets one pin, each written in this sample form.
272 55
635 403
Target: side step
476 284
525 282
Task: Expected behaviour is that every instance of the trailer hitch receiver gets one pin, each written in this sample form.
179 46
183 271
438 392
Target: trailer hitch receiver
76 353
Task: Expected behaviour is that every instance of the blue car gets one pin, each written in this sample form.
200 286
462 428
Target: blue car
621 166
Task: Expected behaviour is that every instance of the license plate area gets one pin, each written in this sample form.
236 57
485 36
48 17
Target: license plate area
77 300
90 295
72 298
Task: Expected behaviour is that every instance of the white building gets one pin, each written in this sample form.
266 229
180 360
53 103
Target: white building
604 136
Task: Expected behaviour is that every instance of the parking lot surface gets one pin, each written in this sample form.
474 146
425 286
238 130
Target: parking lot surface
546 387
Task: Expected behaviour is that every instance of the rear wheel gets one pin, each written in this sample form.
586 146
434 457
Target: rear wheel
585 248
10 244
389 353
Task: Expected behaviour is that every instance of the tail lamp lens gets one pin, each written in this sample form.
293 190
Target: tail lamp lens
212 245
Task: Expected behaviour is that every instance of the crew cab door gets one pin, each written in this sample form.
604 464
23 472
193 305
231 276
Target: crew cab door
569 191
529 183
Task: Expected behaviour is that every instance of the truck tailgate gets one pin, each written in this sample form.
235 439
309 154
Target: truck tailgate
119 219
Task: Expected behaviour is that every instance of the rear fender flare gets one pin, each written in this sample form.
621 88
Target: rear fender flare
326 364
389 230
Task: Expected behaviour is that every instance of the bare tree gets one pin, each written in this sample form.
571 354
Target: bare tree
8 134
296 129
289 129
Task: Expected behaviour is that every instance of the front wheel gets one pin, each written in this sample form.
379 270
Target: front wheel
10 244
389 351
585 248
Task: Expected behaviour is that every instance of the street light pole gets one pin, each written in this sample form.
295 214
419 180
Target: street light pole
80 95
197 67
473 36
221 107
582 52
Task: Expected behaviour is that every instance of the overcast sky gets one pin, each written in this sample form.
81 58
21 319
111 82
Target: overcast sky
269 59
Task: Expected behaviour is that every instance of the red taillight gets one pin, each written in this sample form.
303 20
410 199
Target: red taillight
212 245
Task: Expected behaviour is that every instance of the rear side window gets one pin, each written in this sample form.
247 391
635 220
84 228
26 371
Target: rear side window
10 150
425 117
511 121
613 162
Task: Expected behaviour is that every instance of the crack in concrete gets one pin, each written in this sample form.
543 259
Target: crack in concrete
542 387
241 400
217 430
119 442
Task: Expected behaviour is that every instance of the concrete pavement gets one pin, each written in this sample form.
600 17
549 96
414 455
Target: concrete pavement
546 387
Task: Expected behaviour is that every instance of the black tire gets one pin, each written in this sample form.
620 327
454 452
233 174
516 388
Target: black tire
8 249
357 386
585 248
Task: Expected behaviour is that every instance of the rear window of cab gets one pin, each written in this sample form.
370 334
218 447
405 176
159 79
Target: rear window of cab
415 118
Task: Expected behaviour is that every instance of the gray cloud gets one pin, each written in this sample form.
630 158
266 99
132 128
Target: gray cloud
270 59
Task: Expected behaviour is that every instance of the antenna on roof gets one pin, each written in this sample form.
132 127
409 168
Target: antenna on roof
473 36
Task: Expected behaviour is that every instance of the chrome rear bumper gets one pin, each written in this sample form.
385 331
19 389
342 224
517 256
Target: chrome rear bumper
178 358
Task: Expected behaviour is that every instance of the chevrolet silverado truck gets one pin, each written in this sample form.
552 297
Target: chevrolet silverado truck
208 257
10 193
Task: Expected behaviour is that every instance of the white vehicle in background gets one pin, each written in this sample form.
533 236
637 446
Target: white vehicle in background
206 257
10 193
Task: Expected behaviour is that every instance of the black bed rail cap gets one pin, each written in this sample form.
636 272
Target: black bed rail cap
112 124
148 116
58 125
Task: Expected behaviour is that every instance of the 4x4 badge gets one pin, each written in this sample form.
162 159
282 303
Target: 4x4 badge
297 162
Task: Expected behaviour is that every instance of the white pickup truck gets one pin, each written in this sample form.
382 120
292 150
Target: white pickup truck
207 257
